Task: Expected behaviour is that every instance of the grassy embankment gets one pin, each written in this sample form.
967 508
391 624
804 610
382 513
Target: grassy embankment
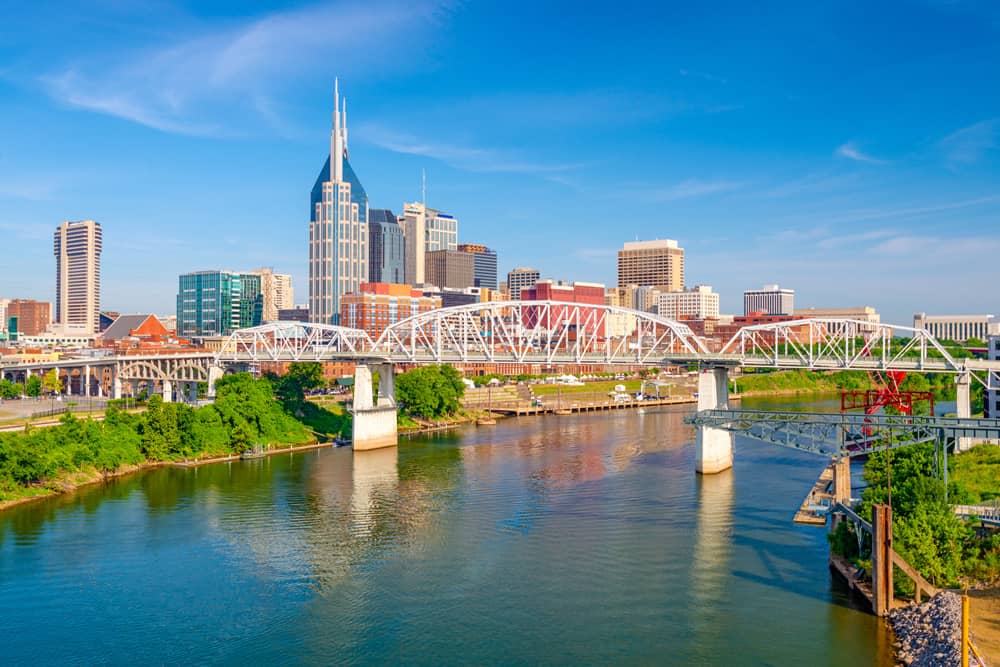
45 461
603 387
975 475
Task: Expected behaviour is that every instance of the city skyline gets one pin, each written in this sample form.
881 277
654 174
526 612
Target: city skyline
871 157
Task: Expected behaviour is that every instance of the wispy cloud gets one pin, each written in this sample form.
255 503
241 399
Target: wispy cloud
25 189
687 189
941 247
970 144
595 255
864 214
852 152
467 158
814 183
693 74
183 86
29 231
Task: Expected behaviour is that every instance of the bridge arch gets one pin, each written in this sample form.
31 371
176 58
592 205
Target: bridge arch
818 343
294 341
537 332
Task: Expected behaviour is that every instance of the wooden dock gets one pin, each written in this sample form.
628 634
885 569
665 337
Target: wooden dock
816 504
520 408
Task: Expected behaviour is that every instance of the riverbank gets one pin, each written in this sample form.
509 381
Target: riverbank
71 482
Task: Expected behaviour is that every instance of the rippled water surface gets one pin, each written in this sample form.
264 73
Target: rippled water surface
561 539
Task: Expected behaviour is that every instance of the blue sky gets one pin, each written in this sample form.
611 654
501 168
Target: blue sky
850 151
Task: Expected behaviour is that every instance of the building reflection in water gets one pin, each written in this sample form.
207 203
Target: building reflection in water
713 547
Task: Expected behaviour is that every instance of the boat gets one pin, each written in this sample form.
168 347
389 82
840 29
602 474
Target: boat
255 452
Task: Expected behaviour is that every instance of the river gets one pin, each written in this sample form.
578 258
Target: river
561 539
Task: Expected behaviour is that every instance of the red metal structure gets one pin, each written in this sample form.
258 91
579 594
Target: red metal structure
887 393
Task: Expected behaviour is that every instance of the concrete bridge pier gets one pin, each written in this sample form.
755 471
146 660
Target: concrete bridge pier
374 424
963 406
214 374
116 387
714 447
168 392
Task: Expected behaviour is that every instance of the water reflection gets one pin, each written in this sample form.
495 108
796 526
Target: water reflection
710 567
567 539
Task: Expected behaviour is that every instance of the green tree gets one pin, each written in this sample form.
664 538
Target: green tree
33 386
10 389
51 382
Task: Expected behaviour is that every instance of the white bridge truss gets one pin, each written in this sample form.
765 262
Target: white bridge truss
295 341
544 332
841 344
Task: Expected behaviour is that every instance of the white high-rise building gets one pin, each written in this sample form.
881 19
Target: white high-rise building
771 300
338 230
77 247
699 302
424 230
277 292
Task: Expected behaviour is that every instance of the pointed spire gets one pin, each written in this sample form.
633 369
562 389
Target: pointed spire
343 122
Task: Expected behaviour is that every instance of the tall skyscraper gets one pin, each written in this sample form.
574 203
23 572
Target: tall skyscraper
338 228
77 247
771 300
277 292
425 230
214 303
521 278
386 248
485 261
658 264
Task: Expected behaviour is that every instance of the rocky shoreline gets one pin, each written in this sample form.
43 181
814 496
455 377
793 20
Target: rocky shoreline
930 634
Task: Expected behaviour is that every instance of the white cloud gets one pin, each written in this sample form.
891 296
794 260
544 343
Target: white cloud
970 144
180 86
468 158
687 189
852 152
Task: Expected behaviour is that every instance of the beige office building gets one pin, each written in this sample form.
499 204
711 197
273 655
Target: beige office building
861 313
958 328
424 230
658 264
77 248
699 303
521 278
276 288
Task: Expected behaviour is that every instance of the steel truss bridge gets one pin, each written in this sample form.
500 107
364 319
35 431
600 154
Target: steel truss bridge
844 434
552 332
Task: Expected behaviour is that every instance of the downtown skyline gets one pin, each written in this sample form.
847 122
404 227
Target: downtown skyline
865 171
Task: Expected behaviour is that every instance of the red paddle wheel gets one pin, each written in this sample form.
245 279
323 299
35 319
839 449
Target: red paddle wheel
887 393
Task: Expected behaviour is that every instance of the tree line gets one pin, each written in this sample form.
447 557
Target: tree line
244 413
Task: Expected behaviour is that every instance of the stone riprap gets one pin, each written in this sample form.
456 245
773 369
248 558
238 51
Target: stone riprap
930 634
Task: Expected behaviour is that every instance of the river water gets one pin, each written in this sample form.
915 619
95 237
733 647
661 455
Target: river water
580 539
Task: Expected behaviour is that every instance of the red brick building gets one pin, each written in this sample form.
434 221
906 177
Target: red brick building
33 317
557 316
375 306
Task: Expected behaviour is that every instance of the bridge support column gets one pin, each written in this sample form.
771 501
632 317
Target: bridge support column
192 393
882 587
714 447
214 374
168 391
86 381
373 426
963 406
